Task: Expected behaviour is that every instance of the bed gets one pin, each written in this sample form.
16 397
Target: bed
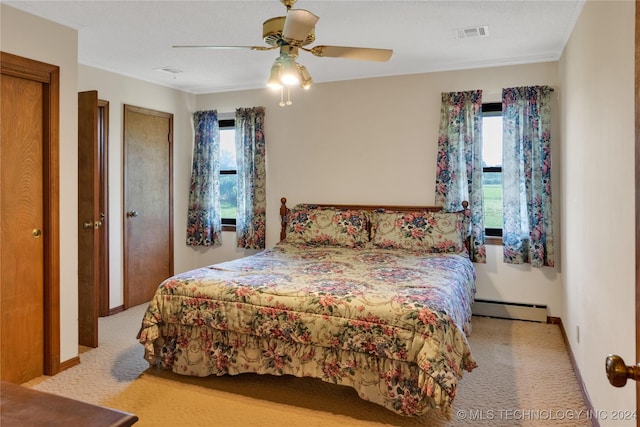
374 298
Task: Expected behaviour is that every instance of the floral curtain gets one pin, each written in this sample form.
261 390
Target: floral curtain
250 153
203 219
459 162
527 233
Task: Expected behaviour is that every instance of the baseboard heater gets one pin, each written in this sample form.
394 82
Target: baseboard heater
510 310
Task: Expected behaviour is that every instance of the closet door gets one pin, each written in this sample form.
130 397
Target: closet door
22 225
148 201
29 221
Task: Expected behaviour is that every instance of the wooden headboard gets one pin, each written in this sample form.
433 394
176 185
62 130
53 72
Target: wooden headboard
284 210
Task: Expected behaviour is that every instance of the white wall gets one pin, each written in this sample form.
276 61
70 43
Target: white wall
54 44
375 141
598 204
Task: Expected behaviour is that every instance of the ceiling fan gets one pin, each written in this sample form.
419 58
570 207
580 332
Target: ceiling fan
292 33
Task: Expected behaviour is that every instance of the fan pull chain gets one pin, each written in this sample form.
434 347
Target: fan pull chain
282 103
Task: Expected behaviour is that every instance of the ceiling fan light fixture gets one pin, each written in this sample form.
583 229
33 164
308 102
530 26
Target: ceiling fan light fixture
289 75
292 33
274 76
305 78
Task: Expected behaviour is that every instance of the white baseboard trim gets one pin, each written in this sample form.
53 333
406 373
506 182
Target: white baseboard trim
507 310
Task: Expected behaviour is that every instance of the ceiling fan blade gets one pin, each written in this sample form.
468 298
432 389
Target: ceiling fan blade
362 53
224 47
298 24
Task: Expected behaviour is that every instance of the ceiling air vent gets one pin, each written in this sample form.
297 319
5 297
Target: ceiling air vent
471 32
169 70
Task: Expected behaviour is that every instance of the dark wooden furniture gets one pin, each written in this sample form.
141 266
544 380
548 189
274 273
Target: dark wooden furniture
24 407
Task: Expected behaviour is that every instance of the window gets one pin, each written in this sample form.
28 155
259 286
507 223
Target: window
492 167
228 174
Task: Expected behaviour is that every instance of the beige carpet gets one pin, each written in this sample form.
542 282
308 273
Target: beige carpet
524 378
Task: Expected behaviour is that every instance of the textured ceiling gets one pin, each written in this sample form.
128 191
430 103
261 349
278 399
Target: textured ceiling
134 38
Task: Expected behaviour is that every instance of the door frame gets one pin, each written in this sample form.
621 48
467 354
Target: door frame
637 190
103 166
49 76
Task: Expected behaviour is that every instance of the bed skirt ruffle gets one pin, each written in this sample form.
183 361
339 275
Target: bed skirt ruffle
399 386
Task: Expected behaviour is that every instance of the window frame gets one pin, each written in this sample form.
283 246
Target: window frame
494 109
228 224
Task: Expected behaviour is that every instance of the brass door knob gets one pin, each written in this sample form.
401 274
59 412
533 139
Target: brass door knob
618 373
36 233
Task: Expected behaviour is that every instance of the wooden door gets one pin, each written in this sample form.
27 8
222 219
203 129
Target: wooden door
22 224
148 200
29 222
89 223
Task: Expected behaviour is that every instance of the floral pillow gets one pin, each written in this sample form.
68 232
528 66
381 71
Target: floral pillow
420 231
314 225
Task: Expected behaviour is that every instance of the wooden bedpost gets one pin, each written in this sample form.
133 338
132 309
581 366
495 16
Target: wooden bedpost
283 218
467 240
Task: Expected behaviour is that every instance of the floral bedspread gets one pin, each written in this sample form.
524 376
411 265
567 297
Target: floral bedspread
390 323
